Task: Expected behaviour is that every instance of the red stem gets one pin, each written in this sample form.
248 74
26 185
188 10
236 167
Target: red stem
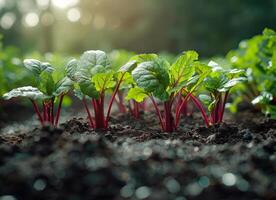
112 99
121 105
169 121
200 107
157 112
52 110
99 116
44 111
58 109
223 107
37 112
136 108
178 110
88 113
216 110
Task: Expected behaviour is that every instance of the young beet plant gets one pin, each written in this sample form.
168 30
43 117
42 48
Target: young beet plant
128 84
157 79
47 91
95 78
218 83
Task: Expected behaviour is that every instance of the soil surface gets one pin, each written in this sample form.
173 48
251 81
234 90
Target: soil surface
134 160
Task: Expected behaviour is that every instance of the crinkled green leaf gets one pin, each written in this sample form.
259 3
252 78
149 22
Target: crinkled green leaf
87 88
215 81
27 91
37 67
103 81
138 94
71 69
63 86
92 62
152 76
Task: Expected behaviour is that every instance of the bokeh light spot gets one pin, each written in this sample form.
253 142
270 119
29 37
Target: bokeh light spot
31 19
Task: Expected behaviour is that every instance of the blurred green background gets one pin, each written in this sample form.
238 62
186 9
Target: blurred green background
211 27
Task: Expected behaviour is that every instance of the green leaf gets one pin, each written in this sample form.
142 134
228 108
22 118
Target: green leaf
87 88
144 57
71 69
27 91
269 32
129 66
46 83
215 81
37 67
78 93
92 62
202 72
215 66
263 98
271 110
103 81
138 94
152 76
183 68
231 83
206 99
63 86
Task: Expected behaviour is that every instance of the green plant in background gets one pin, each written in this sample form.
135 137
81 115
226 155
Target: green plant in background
158 79
258 57
49 87
12 74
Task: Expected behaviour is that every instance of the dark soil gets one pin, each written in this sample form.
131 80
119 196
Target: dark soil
134 160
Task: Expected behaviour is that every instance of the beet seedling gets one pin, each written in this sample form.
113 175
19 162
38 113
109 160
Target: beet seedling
218 84
157 79
47 91
135 106
95 78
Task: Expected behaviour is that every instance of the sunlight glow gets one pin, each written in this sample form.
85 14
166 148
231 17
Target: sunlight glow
74 15
31 19
7 20
2 3
63 4
43 3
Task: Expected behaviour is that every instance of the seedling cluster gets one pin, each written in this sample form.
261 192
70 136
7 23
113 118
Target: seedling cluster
137 83
142 79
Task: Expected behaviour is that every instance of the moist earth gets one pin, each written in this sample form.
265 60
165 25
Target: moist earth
134 160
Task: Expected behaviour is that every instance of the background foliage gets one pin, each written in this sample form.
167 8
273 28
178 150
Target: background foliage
209 26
